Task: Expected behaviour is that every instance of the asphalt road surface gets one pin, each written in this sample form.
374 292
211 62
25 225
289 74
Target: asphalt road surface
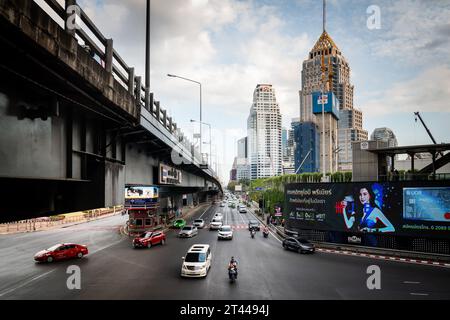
114 270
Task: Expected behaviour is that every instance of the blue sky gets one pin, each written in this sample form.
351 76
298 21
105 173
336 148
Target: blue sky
232 45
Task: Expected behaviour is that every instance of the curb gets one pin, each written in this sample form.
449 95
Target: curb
388 258
62 226
385 257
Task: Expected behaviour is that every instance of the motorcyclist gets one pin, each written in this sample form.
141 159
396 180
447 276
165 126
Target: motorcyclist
252 232
266 231
233 265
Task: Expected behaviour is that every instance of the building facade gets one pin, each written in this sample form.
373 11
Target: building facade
326 70
264 134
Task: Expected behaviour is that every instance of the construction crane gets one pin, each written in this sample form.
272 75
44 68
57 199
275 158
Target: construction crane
417 114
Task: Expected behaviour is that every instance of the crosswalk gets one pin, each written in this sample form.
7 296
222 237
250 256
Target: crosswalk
239 226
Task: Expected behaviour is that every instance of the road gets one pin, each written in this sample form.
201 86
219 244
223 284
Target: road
114 270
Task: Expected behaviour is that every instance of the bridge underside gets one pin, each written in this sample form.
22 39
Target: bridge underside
64 146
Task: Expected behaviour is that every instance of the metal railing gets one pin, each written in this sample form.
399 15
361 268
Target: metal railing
101 49
410 176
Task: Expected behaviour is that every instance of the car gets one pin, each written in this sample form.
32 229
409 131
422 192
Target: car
225 232
215 224
298 244
61 251
242 209
197 261
188 231
199 223
222 205
149 239
179 223
218 215
254 224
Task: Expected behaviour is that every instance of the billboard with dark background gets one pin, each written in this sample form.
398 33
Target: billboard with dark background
397 208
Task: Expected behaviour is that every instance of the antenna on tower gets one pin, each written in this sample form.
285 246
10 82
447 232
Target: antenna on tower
324 14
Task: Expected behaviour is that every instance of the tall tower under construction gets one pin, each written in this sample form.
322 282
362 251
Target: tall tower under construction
327 71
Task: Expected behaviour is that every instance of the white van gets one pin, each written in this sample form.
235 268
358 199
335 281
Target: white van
197 261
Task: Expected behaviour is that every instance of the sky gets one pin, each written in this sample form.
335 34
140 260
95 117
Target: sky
230 46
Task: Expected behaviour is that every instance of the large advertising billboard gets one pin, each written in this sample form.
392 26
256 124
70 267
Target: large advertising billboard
169 175
398 208
141 197
330 103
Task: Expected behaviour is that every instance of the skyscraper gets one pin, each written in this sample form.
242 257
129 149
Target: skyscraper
242 167
326 70
264 134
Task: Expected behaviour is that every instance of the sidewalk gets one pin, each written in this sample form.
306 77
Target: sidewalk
36 225
187 213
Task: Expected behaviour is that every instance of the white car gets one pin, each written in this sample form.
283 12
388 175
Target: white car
197 261
225 232
242 209
222 204
215 224
199 223
218 215
188 231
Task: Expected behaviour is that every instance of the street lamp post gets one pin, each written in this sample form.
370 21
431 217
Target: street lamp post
175 76
210 141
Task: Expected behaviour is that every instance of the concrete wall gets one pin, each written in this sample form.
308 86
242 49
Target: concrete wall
30 148
367 165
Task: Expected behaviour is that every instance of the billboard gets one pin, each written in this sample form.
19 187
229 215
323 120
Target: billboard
331 103
141 196
169 175
397 208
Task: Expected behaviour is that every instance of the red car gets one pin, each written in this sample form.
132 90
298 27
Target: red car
149 238
61 252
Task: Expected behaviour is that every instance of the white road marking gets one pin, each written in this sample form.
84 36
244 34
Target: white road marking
25 283
411 282
418 294
204 212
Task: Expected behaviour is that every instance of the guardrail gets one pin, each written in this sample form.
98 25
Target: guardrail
45 223
102 50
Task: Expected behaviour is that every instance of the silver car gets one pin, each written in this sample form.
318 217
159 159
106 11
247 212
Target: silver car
199 223
188 231
225 232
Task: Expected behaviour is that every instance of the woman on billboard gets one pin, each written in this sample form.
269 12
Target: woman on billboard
372 214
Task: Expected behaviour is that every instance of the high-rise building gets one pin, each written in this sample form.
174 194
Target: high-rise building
242 166
242 148
349 130
385 134
326 70
306 136
264 134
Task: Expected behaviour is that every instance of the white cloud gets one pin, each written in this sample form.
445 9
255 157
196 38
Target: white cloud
428 92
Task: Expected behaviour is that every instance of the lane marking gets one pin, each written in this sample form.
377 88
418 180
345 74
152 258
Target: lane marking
411 282
26 282
418 294
205 212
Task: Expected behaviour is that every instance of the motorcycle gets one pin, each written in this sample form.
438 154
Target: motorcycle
232 274
266 233
252 233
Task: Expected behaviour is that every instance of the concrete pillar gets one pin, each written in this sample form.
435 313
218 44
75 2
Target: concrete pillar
152 101
157 110
131 81
138 91
109 55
